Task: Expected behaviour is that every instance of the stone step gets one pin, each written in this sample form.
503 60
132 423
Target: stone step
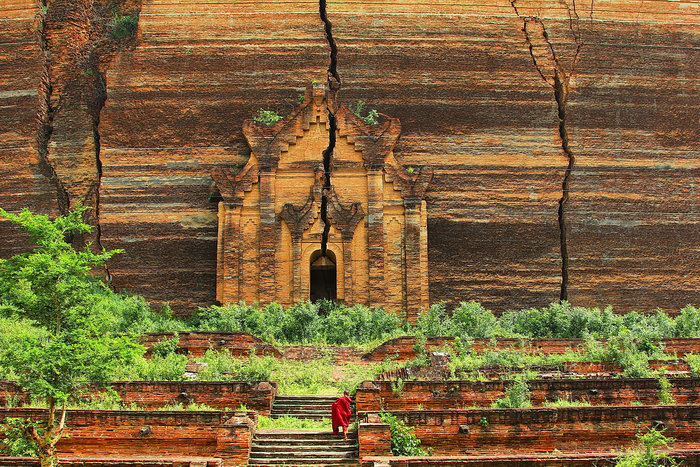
302 443
303 404
301 462
292 411
293 454
298 434
306 462
304 448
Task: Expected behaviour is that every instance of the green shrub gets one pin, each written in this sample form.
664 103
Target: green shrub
473 320
124 26
372 117
166 346
665 396
694 363
267 117
404 441
517 397
170 367
648 452
687 323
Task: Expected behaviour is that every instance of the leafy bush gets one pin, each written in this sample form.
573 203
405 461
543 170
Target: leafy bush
404 441
694 363
648 453
372 117
687 323
166 346
267 117
124 26
665 396
517 397
170 367
473 320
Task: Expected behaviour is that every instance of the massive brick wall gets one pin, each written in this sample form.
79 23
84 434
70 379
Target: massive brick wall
569 429
503 125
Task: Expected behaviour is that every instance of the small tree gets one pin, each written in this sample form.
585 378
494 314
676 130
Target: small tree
70 346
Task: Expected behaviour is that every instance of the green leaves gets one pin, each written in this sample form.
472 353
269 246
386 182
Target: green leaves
404 441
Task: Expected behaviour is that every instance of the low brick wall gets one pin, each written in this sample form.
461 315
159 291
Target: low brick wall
567 429
402 348
690 458
374 439
114 433
112 462
257 396
195 344
445 395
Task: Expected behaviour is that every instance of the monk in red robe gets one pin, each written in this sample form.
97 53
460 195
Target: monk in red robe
340 414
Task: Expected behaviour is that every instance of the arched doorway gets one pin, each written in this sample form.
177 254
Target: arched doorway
323 276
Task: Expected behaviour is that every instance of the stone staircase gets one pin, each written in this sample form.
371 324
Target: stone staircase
300 448
309 407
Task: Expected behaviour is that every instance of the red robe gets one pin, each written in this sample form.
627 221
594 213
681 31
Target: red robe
340 413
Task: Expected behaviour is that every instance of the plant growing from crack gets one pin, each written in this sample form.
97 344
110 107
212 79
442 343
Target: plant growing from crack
372 117
267 117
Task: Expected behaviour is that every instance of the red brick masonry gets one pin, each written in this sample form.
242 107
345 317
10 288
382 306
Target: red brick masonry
129 434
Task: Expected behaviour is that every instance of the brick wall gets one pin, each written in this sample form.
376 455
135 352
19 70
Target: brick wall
118 462
374 439
257 396
568 429
402 348
444 395
195 344
114 433
690 458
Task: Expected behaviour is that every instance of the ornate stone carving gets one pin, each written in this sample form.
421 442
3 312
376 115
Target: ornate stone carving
344 218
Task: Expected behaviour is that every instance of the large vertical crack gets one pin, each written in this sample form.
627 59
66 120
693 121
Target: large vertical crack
79 39
45 116
331 106
557 75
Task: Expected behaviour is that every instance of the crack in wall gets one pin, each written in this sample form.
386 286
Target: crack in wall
45 117
333 87
555 74
79 39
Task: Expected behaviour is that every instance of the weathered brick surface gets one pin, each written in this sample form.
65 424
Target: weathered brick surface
374 439
195 344
569 429
444 395
689 458
256 396
116 462
100 433
460 77
403 348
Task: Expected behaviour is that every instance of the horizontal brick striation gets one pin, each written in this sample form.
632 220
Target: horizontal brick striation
690 458
445 395
115 462
568 429
460 77
195 344
374 439
403 348
257 396
100 433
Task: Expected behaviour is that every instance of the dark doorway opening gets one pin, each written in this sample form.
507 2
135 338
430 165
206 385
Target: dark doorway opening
323 276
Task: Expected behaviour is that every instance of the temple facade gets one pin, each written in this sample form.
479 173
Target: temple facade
270 224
